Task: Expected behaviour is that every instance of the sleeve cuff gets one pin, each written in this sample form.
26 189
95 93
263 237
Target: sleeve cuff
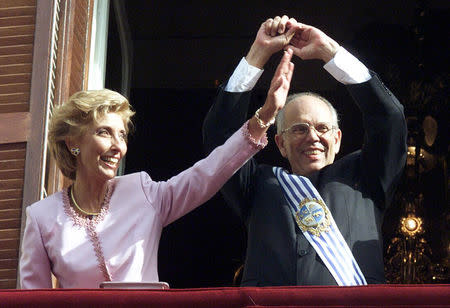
346 68
257 144
244 77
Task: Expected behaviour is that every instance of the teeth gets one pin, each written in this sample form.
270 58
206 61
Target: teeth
314 152
111 160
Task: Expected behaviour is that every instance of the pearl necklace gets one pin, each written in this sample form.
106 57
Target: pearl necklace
78 207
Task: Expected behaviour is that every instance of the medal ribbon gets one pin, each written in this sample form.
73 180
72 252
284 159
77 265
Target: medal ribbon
327 240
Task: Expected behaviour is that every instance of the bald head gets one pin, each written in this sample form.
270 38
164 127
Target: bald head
280 118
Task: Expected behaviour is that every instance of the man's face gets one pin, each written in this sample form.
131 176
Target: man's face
313 150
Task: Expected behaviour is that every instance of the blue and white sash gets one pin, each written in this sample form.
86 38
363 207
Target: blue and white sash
318 226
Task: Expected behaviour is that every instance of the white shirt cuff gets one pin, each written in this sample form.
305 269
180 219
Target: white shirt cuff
244 77
346 68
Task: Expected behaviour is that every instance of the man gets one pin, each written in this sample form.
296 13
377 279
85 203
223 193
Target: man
320 223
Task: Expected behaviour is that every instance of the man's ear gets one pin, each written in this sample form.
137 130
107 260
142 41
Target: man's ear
279 140
337 141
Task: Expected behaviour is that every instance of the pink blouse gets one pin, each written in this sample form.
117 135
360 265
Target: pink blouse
121 243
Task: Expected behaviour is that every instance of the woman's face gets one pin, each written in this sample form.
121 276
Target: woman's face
102 146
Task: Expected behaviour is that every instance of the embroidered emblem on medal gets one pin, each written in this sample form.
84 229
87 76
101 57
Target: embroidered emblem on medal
313 216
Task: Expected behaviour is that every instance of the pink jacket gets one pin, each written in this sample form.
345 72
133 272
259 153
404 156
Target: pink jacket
121 244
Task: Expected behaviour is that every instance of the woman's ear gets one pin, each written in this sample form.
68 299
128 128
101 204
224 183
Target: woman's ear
72 146
70 143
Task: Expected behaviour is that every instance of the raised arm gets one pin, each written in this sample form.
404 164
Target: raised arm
182 193
233 97
309 43
233 108
384 147
276 97
273 35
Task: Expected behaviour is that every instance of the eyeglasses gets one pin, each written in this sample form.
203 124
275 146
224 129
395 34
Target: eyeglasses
302 129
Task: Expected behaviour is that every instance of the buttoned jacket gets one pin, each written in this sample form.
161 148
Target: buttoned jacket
356 188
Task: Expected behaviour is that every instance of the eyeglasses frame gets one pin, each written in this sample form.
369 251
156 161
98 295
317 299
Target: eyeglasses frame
319 134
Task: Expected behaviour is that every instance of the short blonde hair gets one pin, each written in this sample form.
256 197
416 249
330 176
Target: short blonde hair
72 118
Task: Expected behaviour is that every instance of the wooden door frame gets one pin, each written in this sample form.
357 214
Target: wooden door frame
53 79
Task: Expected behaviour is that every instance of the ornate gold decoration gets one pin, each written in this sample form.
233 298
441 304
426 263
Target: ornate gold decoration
411 225
313 216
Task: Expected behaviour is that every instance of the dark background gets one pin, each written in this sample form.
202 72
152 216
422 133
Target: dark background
182 50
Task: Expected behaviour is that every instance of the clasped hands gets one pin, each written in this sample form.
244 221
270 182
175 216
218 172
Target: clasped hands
306 42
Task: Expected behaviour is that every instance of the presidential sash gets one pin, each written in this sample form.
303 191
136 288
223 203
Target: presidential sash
317 224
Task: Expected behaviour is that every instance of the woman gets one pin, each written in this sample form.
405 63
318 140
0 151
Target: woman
107 228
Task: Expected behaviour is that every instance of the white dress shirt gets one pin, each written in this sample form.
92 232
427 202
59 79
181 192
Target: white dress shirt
344 67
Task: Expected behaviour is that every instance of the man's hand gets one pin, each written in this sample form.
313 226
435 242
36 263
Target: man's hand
273 35
311 43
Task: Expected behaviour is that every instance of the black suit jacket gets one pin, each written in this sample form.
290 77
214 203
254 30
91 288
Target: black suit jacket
356 188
